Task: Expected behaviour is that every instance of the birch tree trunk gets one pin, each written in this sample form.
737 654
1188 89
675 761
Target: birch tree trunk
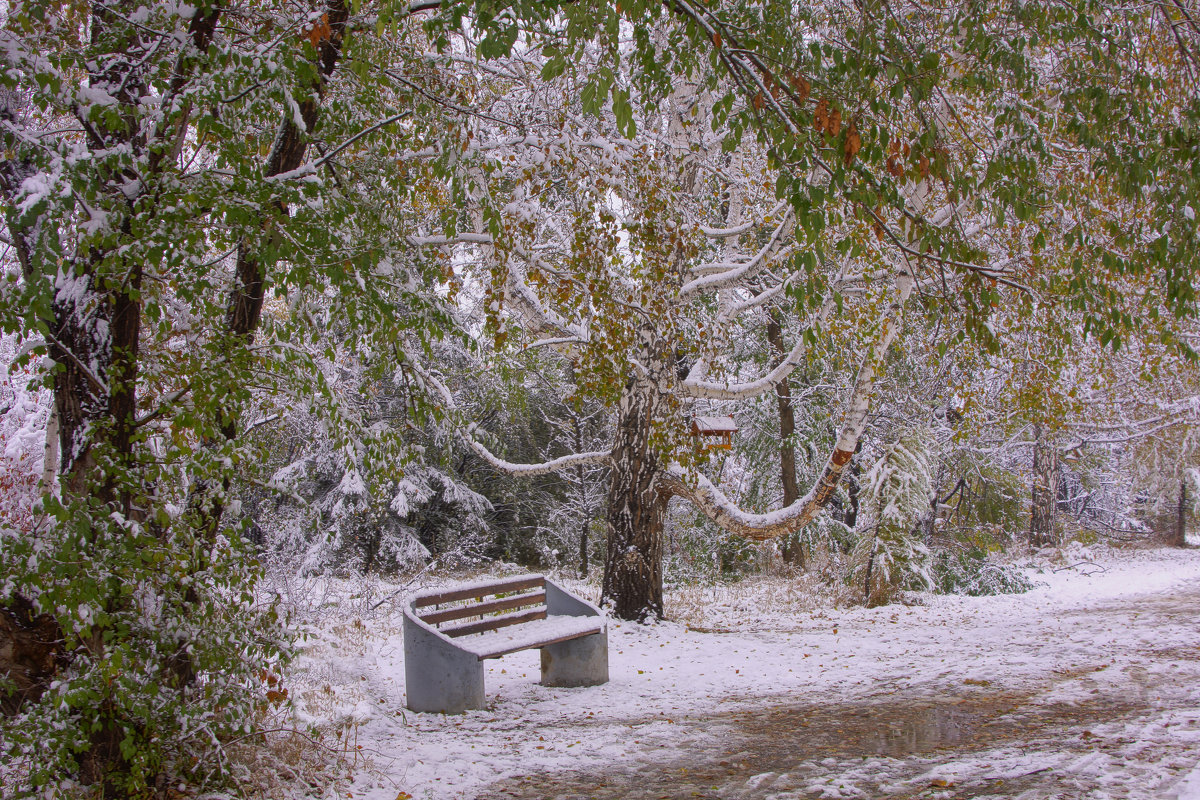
637 498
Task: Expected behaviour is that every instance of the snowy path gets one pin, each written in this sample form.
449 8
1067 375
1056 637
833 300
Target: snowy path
1111 720
1088 687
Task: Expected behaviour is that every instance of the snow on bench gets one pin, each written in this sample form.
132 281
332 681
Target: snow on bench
538 633
448 633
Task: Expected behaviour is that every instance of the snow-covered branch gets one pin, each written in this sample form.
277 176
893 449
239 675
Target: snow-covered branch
546 319
554 465
756 301
721 510
738 230
730 274
443 241
467 436
695 384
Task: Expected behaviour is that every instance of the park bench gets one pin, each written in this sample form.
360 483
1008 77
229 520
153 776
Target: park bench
448 634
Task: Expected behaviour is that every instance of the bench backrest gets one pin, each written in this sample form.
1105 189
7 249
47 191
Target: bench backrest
483 607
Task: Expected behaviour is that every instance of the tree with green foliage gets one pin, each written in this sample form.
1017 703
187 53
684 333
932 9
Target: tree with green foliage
926 158
198 197
190 205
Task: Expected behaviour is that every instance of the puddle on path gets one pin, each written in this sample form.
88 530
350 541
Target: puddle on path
781 752
796 740
937 727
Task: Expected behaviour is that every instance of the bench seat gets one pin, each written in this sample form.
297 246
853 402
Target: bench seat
448 633
528 635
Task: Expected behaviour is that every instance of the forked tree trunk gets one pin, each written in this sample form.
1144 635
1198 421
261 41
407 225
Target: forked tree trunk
1045 490
637 508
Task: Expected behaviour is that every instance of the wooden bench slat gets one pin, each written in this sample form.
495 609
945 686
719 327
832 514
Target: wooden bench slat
553 629
482 590
541 643
479 609
494 623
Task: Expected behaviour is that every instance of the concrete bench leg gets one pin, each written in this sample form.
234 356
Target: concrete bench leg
576 662
440 678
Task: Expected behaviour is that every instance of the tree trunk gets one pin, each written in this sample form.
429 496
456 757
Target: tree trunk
581 486
1179 539
583 548
1045 490
94 342
31 652
850 517
793 546
637 492
636 512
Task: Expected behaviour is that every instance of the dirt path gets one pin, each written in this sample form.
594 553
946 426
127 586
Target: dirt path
1121 722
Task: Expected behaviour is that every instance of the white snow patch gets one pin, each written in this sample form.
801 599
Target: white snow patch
1077 634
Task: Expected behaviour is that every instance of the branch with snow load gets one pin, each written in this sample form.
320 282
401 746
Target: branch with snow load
467 435
761 527
743 228
695 384
555 465
730 274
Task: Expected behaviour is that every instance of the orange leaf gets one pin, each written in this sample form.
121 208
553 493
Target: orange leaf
759 102
853 143
717 40
800 86
320 31
821 116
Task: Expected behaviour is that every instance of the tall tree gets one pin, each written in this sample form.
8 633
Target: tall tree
914 151
197 195
185 192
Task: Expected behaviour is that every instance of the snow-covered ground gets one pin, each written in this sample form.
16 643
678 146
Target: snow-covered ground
1086 687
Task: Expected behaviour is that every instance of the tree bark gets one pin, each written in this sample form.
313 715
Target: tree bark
637 495
636 513
581 486
1045 490
850 517
31 652
1179 538
793 547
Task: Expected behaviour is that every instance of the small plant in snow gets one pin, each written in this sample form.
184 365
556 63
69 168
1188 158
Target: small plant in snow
890 556
968 570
